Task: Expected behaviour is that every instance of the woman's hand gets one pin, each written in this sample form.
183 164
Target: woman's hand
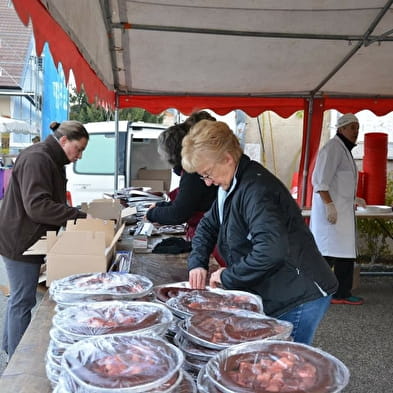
152 206
215 278
197 278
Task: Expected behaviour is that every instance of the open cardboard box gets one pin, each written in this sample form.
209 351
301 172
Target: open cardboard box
108 209
158 179
87 245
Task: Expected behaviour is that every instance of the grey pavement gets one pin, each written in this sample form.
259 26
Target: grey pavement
360 336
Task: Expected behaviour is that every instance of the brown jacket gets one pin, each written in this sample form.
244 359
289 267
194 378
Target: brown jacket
35 200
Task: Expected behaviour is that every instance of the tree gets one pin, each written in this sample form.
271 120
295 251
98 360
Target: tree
83 111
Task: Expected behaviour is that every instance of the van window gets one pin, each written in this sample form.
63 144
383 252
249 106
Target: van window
99 156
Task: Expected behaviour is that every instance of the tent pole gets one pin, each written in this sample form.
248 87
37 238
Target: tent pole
116 177
307 152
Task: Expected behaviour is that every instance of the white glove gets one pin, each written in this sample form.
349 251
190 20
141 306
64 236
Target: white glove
331 212
360 202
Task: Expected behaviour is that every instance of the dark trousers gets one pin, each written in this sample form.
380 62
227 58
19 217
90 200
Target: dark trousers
23 281
343 269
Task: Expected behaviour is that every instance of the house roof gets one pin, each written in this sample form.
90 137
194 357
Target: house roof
14 44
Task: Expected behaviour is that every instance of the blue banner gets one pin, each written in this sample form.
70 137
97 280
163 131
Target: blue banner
55 93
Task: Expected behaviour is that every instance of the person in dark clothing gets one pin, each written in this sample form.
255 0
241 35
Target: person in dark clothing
192 198
189 202
34 203
259 231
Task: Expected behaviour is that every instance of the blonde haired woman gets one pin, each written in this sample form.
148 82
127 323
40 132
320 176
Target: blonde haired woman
260 233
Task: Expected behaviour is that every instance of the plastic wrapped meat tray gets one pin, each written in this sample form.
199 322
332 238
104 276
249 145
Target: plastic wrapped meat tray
69 386
188 303
276 366
185 385
193 350
166 291
114 317
218 329
150 297
99 287
127 364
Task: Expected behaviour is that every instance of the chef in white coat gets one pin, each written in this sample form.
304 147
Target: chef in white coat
333 206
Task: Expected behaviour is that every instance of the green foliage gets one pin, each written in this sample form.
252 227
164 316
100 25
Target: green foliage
373 239
83 111
373 234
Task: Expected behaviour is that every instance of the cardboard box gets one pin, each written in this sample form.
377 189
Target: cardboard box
93 225
84 246
105 209
158 179
154 185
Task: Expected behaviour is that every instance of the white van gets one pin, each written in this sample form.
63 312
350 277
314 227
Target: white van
93 176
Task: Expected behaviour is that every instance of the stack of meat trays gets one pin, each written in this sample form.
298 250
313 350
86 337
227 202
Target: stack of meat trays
272 366
205 333
99 319
93 287
126 364
213 319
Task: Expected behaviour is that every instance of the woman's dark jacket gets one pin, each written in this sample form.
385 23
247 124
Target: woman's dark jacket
265 242
35 200
194 196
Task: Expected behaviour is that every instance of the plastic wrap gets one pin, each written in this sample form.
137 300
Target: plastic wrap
166 291
114 317
58 343
55 351
203 382
186 304
185 384
60 306
99 287
193 350
218 330
52 374
56 360
128 364
276 366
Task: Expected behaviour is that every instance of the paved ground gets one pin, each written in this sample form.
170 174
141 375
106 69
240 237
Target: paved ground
360 336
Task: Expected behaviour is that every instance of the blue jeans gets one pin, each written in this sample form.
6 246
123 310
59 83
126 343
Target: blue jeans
23 281
306 319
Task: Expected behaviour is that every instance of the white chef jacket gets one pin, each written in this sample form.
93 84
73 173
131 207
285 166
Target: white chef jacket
335 171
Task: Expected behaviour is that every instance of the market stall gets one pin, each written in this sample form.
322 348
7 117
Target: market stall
277 56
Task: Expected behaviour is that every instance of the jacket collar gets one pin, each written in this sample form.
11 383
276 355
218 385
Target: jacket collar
348 144
56 151
241 166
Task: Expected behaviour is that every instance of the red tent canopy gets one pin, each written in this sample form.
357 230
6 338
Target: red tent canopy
276 55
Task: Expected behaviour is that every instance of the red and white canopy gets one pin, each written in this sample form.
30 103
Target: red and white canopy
254 55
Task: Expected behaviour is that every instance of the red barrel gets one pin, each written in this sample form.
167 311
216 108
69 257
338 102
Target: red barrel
375 167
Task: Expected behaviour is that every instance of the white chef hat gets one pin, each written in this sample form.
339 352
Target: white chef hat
346 119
